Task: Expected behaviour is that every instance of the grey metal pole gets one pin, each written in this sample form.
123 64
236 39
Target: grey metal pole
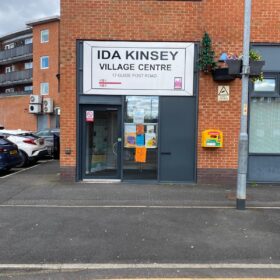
243 137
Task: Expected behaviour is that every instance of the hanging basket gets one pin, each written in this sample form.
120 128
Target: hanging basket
221 74
256 67
234 66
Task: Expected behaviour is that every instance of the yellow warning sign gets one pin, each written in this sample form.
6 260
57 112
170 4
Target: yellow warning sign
223 93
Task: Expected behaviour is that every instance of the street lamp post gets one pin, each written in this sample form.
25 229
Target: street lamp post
243 137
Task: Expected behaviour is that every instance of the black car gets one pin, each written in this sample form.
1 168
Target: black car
9 154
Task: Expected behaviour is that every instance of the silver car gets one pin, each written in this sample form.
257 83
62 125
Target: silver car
48 135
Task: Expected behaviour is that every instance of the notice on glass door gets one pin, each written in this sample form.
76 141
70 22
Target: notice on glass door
140 154
140 129
89 116
140 140
129 135
150 140
150 129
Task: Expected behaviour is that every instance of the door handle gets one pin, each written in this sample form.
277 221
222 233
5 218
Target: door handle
165 153
113 148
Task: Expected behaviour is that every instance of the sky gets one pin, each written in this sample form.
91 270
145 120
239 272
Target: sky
15 13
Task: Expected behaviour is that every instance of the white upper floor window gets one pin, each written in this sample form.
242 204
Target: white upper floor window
28 65
28 88
44 62
44 88
44 36
28 41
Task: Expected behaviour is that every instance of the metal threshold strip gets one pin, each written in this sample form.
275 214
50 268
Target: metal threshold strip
101 181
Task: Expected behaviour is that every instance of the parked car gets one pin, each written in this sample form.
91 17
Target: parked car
31 147
9 154
48 134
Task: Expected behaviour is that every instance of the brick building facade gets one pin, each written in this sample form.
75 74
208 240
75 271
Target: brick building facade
51 74
22 52
166 21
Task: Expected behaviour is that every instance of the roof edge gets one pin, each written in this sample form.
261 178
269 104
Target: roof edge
43 20
16 33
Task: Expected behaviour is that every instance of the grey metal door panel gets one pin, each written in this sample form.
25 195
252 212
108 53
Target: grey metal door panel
263 168
177 139
42 122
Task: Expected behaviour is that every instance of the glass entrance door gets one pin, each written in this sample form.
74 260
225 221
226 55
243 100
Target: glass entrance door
102 142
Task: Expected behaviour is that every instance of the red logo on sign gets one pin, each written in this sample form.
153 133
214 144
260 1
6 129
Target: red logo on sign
104 83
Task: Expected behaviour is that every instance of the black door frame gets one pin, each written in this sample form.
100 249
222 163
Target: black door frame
83 139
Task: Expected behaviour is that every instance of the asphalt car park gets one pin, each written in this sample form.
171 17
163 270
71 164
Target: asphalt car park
15 170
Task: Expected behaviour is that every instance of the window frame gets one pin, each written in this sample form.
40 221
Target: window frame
268 75
24 89
28 41
43 41
41 61
263 94
42 84
28 63
254 153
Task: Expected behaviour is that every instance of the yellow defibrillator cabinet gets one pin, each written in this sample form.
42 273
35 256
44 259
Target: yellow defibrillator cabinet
212 138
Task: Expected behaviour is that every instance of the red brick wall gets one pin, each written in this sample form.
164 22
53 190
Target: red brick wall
14 113
50 49
166 21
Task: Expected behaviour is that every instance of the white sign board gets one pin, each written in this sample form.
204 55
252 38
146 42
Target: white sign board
138 68
223 93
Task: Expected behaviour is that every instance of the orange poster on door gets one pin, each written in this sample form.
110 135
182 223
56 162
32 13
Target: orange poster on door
140 154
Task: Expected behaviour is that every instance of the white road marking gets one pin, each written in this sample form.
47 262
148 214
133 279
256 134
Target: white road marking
132 206
195 278
25 169
93 266
19 171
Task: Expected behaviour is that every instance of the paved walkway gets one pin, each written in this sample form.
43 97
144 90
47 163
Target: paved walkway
55 230
41 185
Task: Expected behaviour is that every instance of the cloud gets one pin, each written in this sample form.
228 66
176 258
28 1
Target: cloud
15 13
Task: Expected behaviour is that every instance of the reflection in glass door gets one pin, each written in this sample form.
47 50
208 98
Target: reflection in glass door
102 143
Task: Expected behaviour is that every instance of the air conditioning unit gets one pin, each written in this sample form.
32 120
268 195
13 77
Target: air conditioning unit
35 108
48 105
35 99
